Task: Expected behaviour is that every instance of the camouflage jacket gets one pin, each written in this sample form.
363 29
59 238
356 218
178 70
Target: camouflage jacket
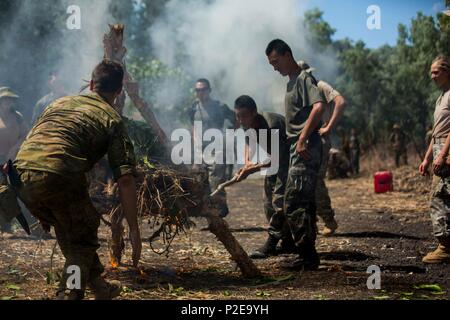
73 134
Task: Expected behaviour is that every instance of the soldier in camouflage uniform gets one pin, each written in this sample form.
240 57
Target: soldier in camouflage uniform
12 131
437 154
355 150
398 142
72 135
304 105
213 115
274 183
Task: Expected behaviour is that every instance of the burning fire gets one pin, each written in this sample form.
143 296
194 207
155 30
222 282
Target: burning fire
113 261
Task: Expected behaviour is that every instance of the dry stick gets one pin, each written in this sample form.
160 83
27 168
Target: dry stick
220 229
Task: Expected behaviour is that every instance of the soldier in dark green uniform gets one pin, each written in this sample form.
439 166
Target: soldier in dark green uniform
274 183
304 105
213 115
72 135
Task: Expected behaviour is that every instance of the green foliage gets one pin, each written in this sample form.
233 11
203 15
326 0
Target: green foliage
387 85
168 90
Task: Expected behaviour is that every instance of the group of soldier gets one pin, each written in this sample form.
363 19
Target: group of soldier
73 133
70 134
297 190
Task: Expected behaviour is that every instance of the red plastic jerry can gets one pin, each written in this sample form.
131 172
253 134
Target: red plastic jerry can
383 181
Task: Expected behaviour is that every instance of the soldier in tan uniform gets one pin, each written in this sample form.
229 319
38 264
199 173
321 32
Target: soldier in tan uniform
68 139
12 131
334 108
437 155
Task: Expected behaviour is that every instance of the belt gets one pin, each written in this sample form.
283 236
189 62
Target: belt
440 140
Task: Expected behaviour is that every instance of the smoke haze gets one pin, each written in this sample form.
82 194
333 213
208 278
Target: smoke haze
225 41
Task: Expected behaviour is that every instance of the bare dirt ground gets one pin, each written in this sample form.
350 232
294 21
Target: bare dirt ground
392 231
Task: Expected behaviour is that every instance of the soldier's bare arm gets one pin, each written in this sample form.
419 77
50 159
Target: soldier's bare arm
128 199
423 168
339 106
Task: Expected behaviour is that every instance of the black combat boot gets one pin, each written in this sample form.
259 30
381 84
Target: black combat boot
287 246
268 249
308 260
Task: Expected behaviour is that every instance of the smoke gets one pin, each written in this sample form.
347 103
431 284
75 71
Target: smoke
225 41
35 41
82 49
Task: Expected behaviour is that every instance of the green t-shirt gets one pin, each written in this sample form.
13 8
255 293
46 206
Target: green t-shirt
302 93
73 134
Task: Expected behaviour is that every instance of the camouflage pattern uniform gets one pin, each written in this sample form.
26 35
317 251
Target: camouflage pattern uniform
71 136
398 140
354 153
440 200
213 115
43 103
299 202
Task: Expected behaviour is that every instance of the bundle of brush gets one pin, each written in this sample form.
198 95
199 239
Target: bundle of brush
168 197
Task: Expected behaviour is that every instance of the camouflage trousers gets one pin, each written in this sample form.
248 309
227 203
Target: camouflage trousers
323 201
299 198
274 189
65 204
401 157
217 174
440 202
354 161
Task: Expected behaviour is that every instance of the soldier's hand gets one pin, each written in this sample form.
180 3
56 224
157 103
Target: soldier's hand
243 173
423 168
302 149
324 131
438 163
136 243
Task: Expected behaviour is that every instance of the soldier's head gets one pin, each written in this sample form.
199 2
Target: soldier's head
281 58
202 89
246 111
7 99
107 79
440 71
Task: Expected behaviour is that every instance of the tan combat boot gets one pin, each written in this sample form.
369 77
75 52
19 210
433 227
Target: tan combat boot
104 290
441 254
330 228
